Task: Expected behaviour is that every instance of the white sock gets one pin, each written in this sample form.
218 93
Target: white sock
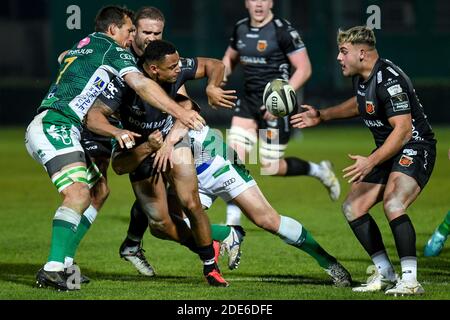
233 215
68 215
290 231
54 266
409 268
68 262
90 214
314 170
384 265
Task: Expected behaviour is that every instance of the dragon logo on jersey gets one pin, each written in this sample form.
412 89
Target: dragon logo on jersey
60 134
370 108
262 45
405 161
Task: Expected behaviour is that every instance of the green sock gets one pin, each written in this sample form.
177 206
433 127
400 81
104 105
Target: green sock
311 247
444 227
83 227
220 232
62 234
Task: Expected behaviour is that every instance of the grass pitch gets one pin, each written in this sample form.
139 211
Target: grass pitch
270 269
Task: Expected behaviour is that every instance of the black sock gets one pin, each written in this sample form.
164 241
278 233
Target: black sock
206 254
296 167
368 234
190 244
138 224
404 235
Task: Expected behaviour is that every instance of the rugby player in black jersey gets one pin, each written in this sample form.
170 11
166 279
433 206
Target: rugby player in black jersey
399 167
162 63
268 48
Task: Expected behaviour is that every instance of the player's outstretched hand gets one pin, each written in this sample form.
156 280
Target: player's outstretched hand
217 97
163 157
125 138
192 119
310 117
357 171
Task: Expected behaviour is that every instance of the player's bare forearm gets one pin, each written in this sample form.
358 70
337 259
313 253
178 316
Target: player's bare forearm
299 78
179 130
177 133
213 69
152 93
303 69
345 110
401 134
126 161
230 59
97 119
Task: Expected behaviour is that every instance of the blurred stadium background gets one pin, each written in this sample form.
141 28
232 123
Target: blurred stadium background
414 34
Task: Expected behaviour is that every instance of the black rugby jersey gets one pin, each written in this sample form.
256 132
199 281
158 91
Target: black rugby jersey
389 92
264 51
137 115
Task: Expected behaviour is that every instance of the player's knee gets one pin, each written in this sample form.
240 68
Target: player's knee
191 203
266 222
393 205
347 210
159 230
99 193
241 140
270 156
77 196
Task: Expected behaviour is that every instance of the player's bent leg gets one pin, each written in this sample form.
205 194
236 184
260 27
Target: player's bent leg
131 248
151 195
361 198
71 183
99 191
401 191
258 210
183 178
242 136
271 159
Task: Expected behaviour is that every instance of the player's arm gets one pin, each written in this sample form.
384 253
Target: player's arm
62 56
126 161
179 130
400 135
303 70
312 117
96 120
214 70
153 94
230 60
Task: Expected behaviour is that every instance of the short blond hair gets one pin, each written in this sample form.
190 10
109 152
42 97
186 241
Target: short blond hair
357 35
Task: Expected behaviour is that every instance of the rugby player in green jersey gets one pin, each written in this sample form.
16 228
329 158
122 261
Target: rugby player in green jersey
53 137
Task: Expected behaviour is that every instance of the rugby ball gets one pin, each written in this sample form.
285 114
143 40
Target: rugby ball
279 97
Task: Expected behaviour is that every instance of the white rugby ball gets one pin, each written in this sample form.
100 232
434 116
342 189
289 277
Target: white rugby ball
279 97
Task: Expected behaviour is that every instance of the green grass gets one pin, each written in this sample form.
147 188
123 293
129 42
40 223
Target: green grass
270 269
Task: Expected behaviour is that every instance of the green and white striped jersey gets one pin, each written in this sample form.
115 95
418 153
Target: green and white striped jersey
86 70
